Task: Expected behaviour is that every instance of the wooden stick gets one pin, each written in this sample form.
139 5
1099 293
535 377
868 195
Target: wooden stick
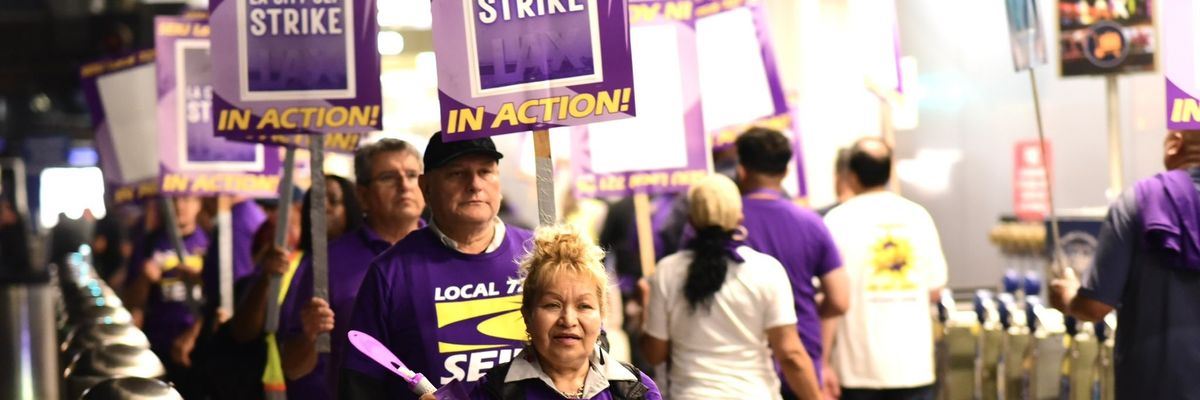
545 177
1115 166
645 233
225 252
887 128
1057 259
284 211
889 137
316 214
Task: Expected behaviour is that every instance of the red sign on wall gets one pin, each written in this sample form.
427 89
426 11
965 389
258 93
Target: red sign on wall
1031 191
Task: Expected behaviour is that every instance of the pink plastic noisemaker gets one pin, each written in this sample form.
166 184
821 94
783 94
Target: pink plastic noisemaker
376 351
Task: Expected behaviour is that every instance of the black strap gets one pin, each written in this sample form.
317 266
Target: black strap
495 386
357 385
629 390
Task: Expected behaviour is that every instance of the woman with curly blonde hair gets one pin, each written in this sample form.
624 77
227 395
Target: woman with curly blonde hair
564 302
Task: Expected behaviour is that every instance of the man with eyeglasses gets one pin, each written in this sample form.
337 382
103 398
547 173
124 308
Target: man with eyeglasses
445 299
386 175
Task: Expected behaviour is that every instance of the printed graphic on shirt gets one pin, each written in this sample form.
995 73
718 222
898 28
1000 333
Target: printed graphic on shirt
172 286
892 259
479 326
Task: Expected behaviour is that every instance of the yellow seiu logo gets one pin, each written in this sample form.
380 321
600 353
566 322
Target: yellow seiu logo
170 261
1185 110
172 287
504 322
485 330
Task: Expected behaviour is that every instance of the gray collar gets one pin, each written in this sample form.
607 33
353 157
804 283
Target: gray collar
497 238
527 367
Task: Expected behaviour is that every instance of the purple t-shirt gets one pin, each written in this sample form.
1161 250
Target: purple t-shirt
167 314
349 258
1156 350
798 238
445 314
534 390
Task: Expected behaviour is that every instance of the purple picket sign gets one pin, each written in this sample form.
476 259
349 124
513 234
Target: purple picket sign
120 95
193 161
295 67
665 149
739 77
1181 49
510 66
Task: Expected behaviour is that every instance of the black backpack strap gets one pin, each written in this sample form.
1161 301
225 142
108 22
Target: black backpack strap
629 390
495 386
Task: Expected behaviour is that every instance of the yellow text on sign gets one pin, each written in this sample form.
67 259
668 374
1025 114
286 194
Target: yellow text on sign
220 183
335 117
1185 110
532 111
672 10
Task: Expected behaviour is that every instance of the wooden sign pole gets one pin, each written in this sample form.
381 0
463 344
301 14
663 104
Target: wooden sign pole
1056 267
547 215
225 252
645 232
1115 164
320 256
281 228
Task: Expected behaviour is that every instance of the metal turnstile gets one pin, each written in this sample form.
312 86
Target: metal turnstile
956 350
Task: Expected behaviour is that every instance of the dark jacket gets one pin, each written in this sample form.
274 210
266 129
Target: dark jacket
501 390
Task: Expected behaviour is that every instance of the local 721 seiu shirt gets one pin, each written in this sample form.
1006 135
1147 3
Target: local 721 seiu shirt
445 314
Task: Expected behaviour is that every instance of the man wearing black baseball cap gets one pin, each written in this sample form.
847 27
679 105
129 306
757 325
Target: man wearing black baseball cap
445 299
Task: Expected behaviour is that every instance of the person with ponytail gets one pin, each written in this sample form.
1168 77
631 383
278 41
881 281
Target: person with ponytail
563 304
717 305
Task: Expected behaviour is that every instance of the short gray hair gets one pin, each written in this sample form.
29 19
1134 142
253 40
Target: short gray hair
364 155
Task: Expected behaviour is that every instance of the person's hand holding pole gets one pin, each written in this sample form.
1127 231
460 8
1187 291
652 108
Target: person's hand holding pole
1063 288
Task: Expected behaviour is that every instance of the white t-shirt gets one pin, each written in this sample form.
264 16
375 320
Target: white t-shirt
721 352
892 254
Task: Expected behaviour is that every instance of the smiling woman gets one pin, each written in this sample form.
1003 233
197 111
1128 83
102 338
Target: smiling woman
563 304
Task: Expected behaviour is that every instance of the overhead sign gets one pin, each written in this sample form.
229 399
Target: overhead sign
294 67
1102 37
665 148
193 161
509 66
739 78
1181 46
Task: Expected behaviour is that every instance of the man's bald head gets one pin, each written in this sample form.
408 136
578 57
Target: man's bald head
870 163
1181 150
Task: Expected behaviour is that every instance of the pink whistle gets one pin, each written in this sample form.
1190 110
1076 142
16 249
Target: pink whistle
378 352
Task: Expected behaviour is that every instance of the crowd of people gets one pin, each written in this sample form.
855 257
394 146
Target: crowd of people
753 296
